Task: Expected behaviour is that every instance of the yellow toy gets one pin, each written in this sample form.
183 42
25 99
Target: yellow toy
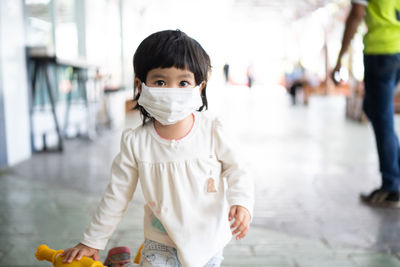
43 252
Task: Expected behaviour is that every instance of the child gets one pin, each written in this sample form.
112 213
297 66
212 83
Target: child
180 157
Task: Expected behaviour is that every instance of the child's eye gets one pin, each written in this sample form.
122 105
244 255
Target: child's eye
184 84
160 83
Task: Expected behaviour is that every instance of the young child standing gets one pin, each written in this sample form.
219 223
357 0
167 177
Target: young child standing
196 190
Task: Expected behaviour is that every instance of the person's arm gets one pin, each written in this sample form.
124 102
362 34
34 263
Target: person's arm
353 21
118 194
240 192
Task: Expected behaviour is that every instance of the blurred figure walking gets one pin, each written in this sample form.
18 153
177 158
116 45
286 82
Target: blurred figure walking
381 74
226 72
250 75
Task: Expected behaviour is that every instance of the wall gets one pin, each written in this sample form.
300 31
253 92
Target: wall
3 141
14 86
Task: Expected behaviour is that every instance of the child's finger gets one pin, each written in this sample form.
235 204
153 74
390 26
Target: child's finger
235 224
65 254
243 225
67 257
242 234
232 212
79 255
72 255
238 229
238 221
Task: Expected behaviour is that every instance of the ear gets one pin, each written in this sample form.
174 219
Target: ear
202 86
138 85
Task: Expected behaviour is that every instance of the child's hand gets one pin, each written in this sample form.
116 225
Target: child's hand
242 221
78 252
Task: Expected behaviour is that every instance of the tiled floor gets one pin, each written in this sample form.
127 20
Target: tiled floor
309 165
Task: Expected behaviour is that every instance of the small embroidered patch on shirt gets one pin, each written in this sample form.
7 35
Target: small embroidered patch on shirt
211 186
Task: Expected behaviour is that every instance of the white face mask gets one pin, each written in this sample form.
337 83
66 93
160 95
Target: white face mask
170 105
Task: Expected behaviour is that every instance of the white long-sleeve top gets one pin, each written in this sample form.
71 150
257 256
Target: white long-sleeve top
188 185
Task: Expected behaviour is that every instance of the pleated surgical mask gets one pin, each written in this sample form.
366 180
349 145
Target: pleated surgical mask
170 105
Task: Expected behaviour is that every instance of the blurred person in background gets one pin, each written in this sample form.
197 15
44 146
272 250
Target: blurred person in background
226 72
295 81
250 75
381 74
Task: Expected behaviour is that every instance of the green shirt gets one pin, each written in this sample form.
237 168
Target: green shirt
383 22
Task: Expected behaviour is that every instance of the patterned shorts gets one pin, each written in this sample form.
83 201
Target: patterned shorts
159 255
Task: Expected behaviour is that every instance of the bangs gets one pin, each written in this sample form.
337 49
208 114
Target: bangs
172 49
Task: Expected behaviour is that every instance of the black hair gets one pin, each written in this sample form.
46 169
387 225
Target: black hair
167 49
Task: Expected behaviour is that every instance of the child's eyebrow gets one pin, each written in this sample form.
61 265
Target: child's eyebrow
187 75
156 76
161 76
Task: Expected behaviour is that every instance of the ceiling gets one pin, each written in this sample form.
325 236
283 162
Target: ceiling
293 9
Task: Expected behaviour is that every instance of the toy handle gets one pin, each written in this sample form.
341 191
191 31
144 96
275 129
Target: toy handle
43 252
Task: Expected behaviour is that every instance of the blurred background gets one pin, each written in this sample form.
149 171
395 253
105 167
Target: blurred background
85 48
66 91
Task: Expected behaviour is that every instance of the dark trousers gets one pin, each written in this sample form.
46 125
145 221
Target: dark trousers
381 74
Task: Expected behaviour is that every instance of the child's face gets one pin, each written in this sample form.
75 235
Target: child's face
170 78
